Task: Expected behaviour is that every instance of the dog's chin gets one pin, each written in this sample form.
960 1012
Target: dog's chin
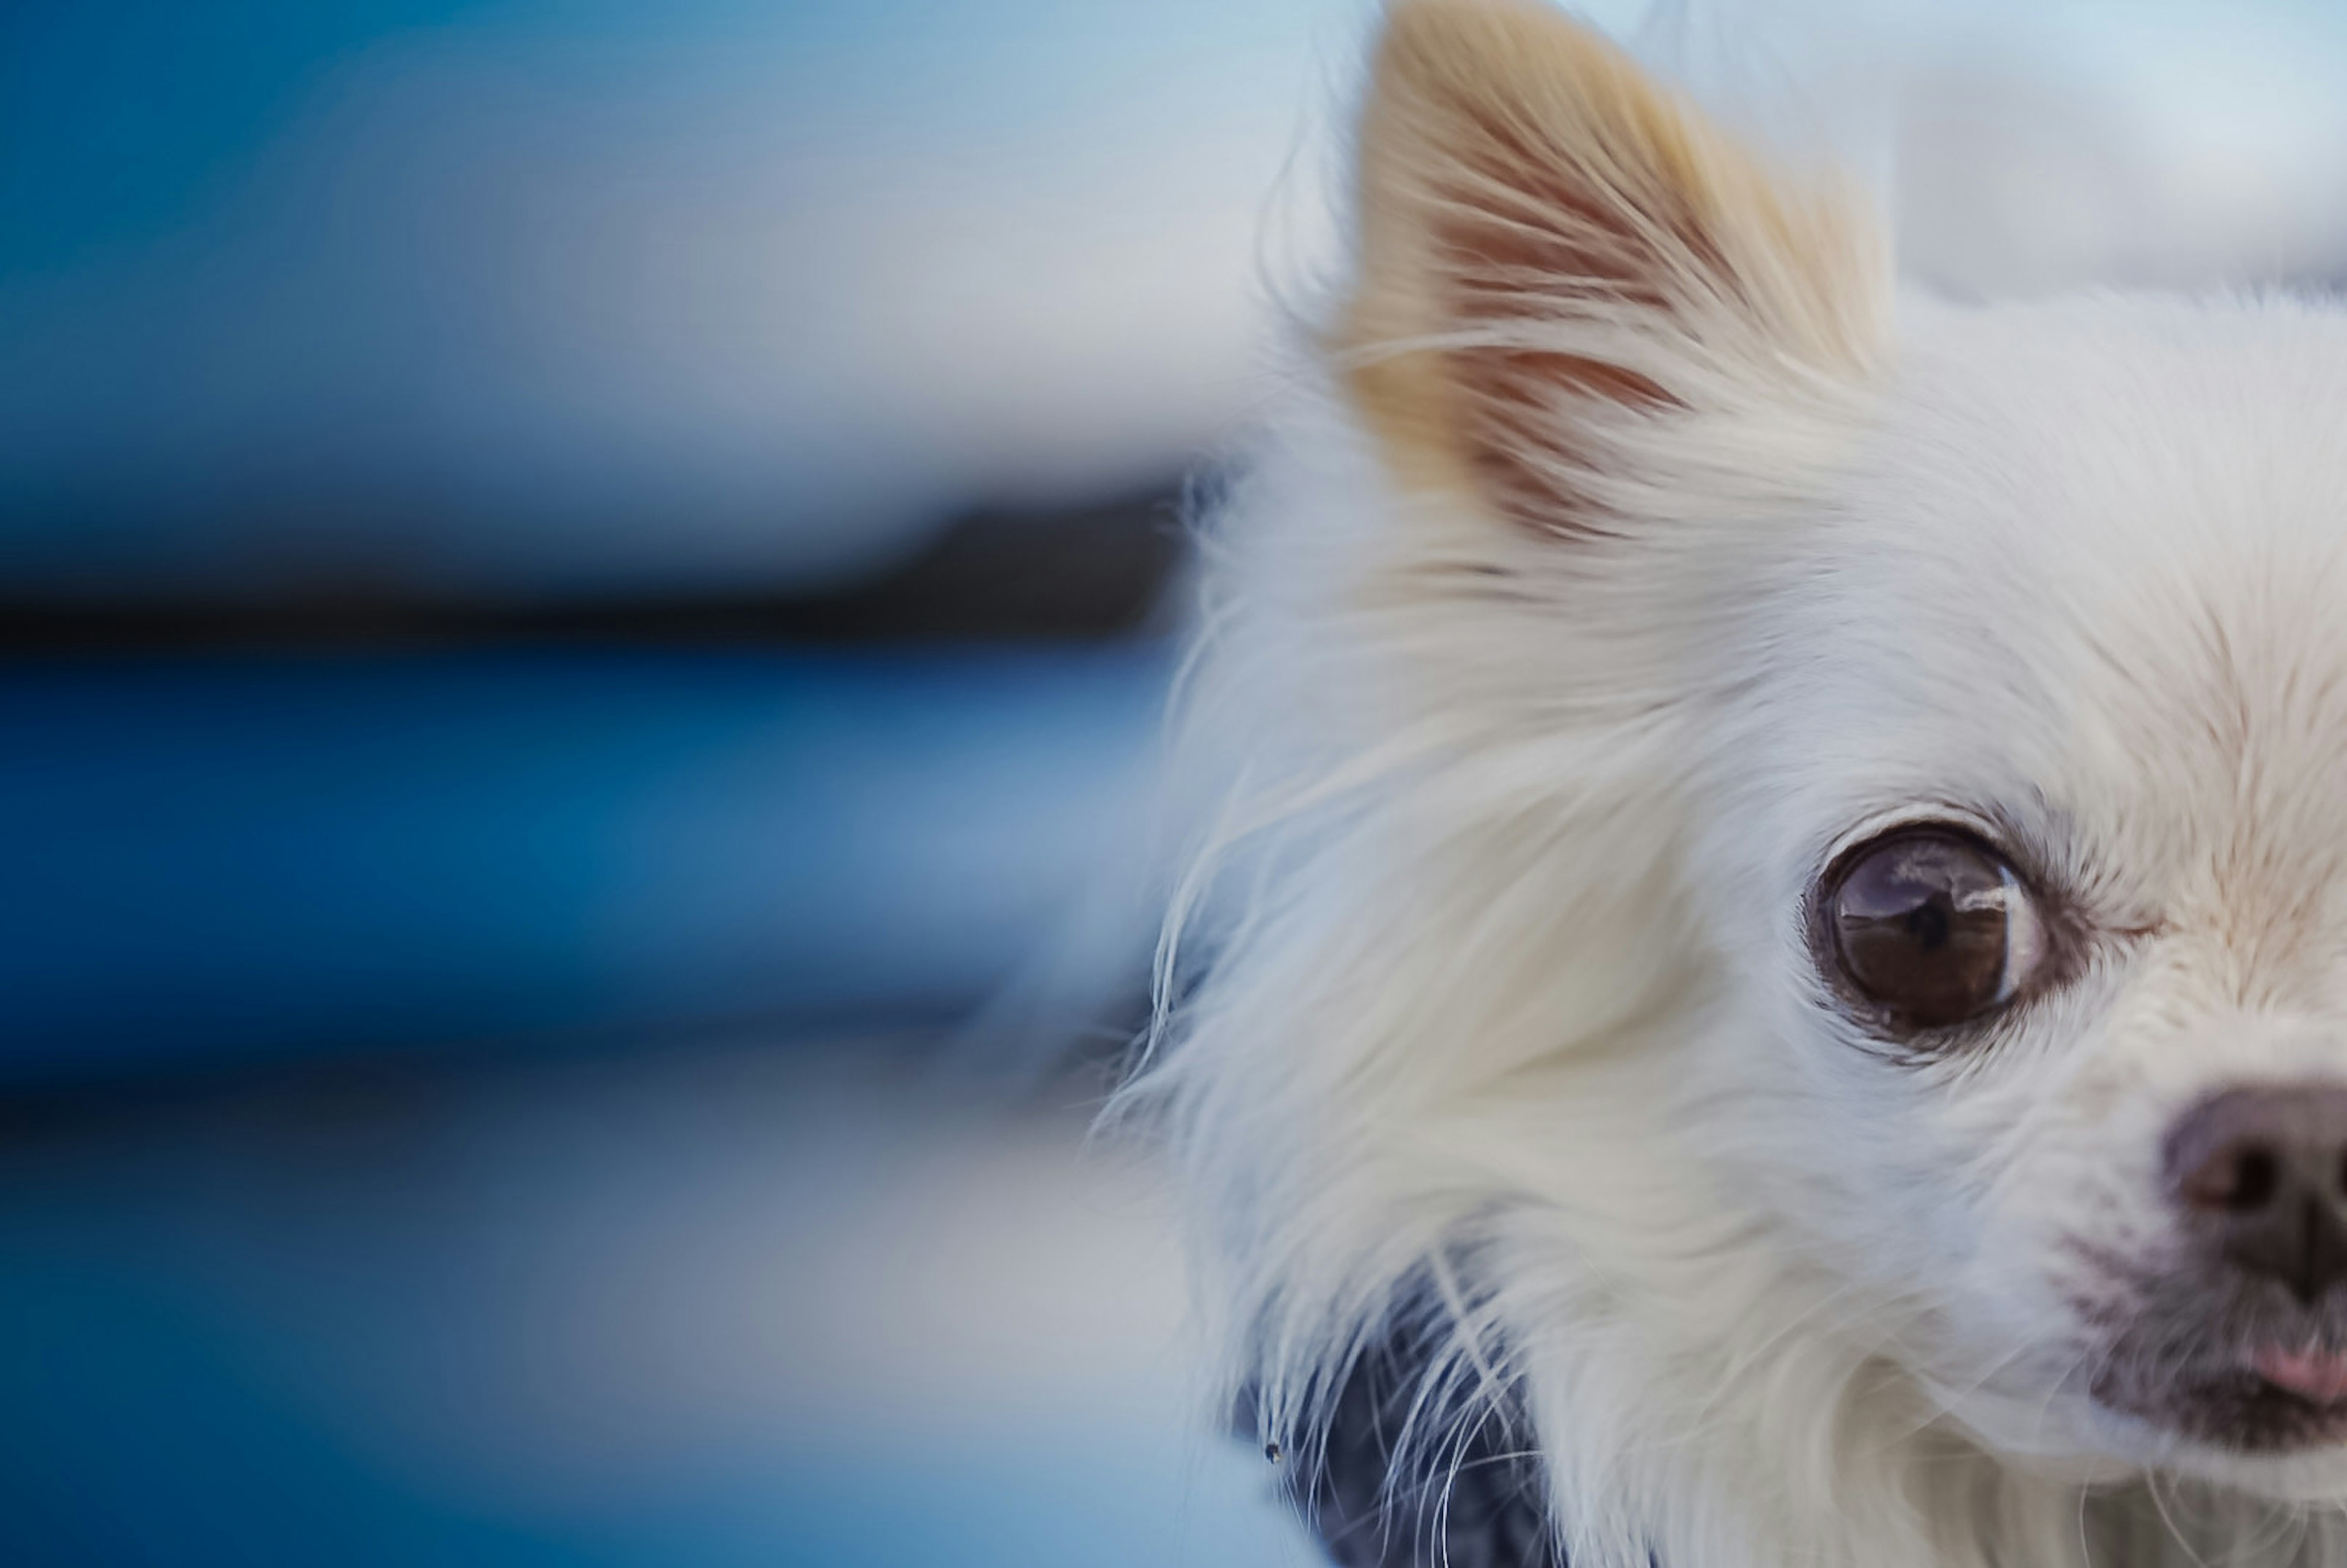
2189 1368
2217 1422
2221 1421
2229 1411
2259 1441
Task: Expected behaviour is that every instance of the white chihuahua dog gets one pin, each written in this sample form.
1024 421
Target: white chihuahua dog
1771 984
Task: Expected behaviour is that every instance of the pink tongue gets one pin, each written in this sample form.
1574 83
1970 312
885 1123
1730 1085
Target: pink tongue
2316 1375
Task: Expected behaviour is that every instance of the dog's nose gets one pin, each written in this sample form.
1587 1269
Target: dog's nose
2265 1169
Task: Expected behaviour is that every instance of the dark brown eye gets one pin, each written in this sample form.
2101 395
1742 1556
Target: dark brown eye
1932 925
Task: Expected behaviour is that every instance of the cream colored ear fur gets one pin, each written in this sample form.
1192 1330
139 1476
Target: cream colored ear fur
1554 249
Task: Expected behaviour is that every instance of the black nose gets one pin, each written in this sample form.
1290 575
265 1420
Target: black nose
2265 1170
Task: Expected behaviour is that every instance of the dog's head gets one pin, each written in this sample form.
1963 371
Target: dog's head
1986 674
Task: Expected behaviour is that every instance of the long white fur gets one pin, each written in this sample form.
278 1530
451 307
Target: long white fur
1489 969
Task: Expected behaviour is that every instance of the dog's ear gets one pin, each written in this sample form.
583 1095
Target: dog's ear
1558 257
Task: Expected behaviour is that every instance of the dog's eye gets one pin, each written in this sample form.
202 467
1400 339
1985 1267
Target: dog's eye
1932 926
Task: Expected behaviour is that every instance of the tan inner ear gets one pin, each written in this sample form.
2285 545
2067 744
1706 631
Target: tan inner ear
1550 241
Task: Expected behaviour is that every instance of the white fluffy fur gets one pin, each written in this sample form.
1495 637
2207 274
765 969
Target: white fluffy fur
1489 962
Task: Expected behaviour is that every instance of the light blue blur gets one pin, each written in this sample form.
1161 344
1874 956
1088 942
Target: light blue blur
246 857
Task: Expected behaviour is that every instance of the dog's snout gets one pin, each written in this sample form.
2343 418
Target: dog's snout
2265 1170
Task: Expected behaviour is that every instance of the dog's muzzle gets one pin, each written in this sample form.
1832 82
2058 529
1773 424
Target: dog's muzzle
2240 1340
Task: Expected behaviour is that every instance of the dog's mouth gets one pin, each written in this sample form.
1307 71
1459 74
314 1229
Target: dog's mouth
2313 1375
2204 1354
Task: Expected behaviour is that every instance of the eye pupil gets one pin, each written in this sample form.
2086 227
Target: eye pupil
1928 924
1923 926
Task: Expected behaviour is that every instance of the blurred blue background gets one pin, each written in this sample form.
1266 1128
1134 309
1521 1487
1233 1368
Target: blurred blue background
585 593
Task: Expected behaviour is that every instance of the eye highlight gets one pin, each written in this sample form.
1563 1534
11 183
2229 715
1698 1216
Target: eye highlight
1932 925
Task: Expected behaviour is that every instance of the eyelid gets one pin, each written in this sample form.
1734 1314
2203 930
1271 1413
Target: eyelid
1939 815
